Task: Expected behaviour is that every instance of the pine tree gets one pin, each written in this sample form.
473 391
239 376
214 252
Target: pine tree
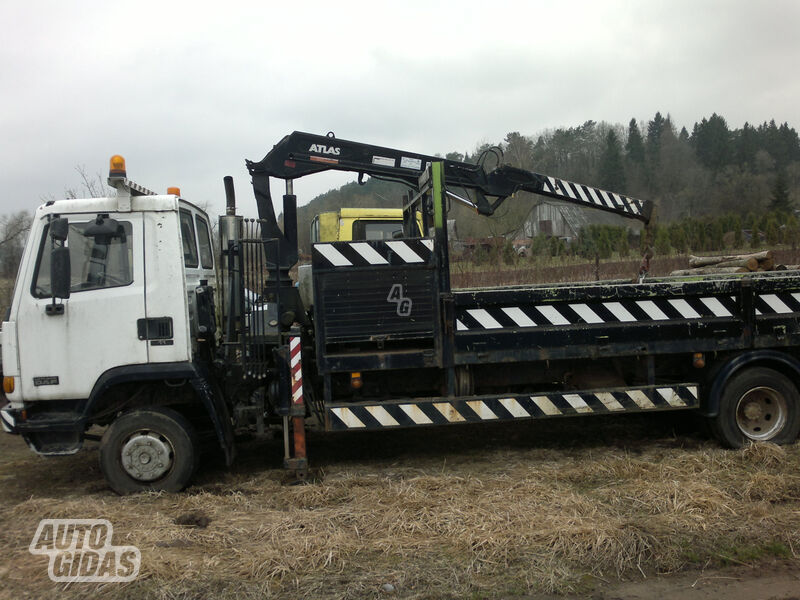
677 237
654 130
662 242
746 145
712 142
772 232
518 150
715 235
780 193
792 232
612 171
635 145
736 227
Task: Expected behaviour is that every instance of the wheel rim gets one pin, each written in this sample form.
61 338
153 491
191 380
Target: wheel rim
761 413
147 455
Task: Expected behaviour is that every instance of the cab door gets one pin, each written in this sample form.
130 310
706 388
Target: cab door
198 260
61 356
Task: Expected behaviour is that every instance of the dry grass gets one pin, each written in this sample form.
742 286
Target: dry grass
481 512
486 511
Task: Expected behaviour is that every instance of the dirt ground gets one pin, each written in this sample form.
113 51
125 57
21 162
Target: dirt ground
632 507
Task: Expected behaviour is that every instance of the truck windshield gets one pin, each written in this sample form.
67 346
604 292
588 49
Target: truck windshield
376 230
93 263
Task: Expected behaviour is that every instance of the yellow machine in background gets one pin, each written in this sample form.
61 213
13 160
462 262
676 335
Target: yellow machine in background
350 224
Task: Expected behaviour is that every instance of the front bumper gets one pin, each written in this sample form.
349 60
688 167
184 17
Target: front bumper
47 434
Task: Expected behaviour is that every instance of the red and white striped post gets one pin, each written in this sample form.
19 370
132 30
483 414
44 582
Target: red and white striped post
298 424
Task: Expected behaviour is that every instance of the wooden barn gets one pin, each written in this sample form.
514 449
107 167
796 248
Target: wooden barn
555 219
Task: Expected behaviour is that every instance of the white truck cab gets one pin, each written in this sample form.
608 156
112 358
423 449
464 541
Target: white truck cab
135 265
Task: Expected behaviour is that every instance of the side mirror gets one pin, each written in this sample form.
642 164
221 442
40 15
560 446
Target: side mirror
60 272
60 268
59 229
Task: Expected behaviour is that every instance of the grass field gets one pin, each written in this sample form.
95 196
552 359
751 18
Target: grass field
467 512
522 510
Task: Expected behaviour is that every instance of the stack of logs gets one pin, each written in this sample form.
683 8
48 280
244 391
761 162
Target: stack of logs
739 263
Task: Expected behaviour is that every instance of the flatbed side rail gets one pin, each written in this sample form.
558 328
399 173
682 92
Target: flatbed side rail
415 412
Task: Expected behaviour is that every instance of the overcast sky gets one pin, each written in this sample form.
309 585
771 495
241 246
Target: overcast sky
187 91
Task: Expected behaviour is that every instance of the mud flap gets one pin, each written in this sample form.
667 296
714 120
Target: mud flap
218 413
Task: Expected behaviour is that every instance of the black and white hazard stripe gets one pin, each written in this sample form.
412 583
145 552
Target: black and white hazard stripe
596 198
781 303
8 422
443 412
574 313
622 311
373 253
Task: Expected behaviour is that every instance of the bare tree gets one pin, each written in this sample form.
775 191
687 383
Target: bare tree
13 233
91 186
14 230
13 227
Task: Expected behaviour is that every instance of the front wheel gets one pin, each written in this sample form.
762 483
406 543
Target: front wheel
760 405
153 449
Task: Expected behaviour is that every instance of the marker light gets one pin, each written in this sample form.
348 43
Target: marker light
117 167
8 385
175 191
355 381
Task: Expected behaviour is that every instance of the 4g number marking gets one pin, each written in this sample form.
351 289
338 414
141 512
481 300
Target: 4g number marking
403 303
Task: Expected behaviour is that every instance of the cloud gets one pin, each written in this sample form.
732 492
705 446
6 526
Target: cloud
187 92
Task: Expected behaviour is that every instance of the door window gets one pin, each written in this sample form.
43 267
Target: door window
206 254
96 262
189 240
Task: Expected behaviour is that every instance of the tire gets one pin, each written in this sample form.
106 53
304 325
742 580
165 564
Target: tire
760 405
149 450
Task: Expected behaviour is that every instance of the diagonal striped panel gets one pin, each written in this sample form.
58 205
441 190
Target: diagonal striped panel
449 412
671 396
519 316
561 188
346 416
380 414
779 303
552 315
369 254
654 309
416 413
373 253
514 408
483 317
332 255
404 251
609 401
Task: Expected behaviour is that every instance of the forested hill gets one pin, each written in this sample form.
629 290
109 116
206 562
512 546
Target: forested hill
710 170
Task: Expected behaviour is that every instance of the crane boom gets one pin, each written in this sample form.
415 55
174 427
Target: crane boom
300 154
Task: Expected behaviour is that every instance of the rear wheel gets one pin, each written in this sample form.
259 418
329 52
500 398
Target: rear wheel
153 449
758 404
